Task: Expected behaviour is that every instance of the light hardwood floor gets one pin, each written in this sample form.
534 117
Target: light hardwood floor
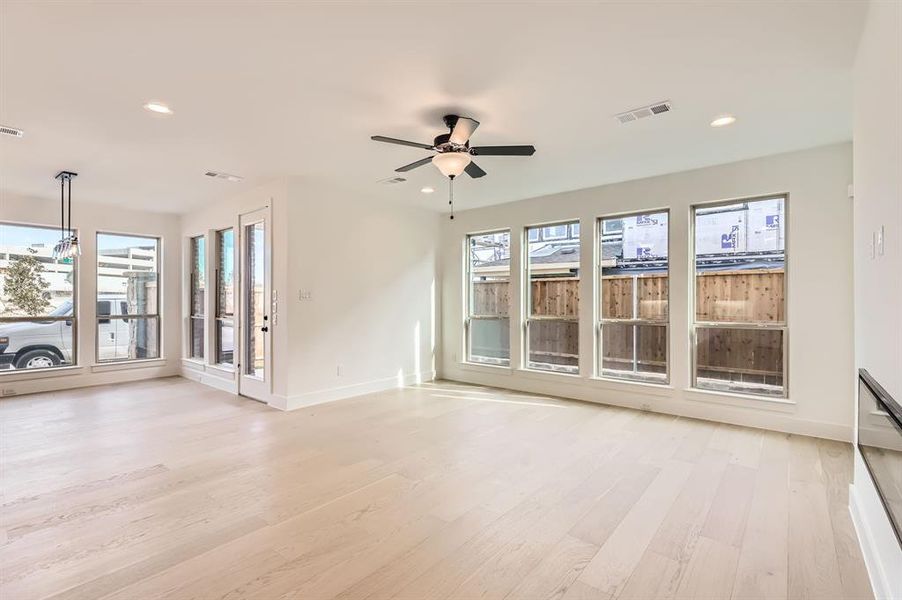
167 488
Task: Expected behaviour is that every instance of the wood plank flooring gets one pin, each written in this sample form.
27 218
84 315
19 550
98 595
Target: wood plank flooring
169 489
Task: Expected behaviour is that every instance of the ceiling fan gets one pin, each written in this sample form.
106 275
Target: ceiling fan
453 150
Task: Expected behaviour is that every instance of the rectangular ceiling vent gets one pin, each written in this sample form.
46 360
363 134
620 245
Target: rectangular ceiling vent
11 131
392 180
221 175
642 112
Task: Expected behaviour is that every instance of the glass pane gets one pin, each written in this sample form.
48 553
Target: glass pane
198 268
634 351
127 270
32 282
490 341
225 342
740 360
197 337
255 268
225 283
634 264
554 345
36 344
740 262
553 269
128 339
489 296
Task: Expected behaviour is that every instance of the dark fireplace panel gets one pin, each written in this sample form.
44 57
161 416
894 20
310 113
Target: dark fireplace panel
880 442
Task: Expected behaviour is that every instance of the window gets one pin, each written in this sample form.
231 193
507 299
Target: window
739 325
488 313
198 300
225 297
128 297
552 301
37 300
633 311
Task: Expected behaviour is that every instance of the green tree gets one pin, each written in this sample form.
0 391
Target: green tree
25 287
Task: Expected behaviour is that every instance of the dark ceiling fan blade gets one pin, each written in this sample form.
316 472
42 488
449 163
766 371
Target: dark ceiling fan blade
503 150
382 138
414 165
474 171
463 129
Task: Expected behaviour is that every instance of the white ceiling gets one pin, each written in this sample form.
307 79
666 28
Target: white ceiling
272 89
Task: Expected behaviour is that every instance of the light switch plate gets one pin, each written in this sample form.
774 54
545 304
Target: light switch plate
880 240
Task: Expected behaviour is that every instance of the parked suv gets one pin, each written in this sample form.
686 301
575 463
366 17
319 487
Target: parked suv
38 344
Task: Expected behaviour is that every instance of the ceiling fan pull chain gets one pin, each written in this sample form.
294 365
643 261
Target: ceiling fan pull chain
451 196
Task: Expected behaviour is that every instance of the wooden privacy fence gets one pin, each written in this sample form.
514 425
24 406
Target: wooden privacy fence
721 296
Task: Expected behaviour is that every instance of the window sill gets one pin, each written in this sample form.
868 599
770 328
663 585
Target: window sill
633 387
125 365
740 400
26 375
485 368
546 375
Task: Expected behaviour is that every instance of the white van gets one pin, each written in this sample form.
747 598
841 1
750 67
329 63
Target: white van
38 344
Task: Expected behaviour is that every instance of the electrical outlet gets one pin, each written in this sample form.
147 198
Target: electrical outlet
645 406
8 392
305 295
338 370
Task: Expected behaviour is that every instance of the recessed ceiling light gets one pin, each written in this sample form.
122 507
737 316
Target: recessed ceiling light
158 107
427 190
723 121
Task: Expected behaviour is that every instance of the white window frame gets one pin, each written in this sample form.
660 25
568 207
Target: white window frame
158 315
192 286
526 294
468 300
635 321
219 317
28 319
695 325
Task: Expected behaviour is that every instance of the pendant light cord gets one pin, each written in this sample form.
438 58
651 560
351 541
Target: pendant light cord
69 179
62 208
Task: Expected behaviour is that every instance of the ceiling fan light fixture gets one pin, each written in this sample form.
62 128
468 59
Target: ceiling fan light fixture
451 164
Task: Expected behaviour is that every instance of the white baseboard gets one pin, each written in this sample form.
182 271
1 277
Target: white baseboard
881 551
202 376
80 377
667 400
340 393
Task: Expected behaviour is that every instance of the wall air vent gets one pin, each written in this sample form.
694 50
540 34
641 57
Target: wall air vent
642 112
226 176
11 131
392 180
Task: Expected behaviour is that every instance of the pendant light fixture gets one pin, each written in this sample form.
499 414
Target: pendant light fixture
68 246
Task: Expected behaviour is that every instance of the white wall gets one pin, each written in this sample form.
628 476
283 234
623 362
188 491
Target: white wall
370 270
819 289
88 219
878 279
